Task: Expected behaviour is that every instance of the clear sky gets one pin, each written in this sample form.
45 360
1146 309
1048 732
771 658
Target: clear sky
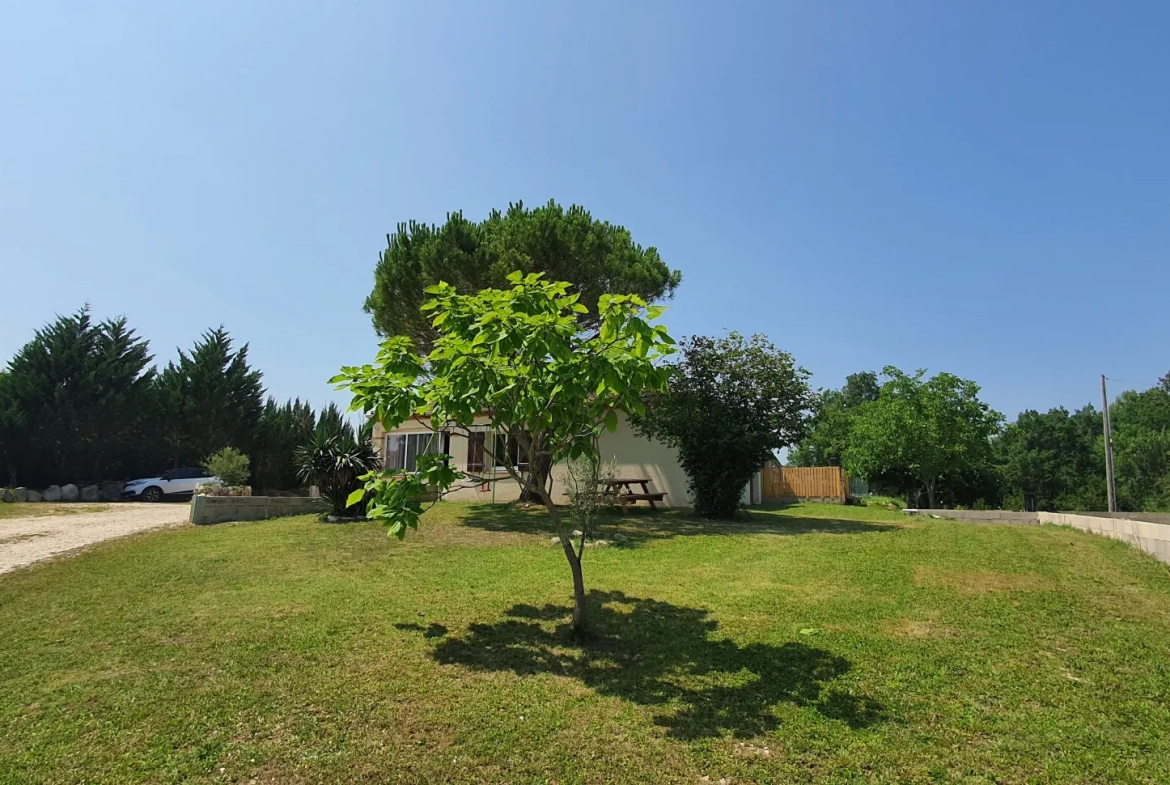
982 188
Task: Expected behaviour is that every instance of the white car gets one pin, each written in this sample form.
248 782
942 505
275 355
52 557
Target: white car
175 484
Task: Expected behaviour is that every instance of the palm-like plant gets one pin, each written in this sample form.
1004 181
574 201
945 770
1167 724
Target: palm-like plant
334 459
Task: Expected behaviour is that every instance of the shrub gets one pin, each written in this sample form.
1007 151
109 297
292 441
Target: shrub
732 402
229 465
335 460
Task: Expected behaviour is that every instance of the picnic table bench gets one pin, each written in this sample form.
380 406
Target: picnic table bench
624 495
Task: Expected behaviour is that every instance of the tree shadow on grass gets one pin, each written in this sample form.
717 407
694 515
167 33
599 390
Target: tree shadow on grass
641 524
657 654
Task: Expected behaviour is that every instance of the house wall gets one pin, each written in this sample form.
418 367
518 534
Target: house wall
635 456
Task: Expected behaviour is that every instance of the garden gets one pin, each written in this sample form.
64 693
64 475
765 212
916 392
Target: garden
802 644
807 643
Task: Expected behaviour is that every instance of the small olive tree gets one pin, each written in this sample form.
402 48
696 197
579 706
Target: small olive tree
521 356
230 465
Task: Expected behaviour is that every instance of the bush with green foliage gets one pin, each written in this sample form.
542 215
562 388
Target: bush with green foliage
230 465
336 459
731 403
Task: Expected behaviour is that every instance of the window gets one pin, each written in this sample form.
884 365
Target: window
506 449
502 449
403 449
476 442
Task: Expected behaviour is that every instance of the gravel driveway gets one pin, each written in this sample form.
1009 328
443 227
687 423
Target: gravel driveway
27 540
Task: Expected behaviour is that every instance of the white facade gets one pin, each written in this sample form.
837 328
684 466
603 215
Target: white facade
632 456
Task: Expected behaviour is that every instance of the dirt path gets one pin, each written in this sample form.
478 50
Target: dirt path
27 540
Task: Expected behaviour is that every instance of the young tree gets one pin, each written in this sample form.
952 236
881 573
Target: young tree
731 403
520 355
211 398
595 257
927 429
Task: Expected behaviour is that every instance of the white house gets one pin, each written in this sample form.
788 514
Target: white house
634 456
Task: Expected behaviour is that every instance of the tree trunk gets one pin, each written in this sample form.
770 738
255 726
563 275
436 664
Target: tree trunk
574 558
578 585
537 476
930 495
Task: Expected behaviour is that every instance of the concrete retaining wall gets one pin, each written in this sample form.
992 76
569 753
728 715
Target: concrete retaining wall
1148 517
1151 537
220 509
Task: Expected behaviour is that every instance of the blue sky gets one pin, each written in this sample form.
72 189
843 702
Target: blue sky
982 188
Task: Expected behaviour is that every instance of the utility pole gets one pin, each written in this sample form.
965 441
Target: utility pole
1108 449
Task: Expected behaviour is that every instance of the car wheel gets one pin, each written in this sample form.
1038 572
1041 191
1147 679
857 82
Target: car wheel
152 494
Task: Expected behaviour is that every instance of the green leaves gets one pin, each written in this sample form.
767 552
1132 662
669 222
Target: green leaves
921 429
519 353
731 402
355 497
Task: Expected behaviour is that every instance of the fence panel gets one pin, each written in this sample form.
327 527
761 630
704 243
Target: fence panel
785 483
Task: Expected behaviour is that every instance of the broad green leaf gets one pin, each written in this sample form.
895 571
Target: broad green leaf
355 497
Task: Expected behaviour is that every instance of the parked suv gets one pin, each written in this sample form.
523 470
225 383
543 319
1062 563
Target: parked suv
175 484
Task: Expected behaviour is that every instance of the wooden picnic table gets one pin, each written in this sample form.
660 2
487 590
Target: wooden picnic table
624 494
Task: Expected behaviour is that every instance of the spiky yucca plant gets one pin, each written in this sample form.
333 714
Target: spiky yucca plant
335 457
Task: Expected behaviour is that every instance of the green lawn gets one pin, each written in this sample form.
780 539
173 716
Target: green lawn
811 644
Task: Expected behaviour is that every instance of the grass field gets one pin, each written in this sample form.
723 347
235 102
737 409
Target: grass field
809 644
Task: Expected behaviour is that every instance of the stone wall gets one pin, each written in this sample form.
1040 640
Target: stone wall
105 492
1150 536
221 509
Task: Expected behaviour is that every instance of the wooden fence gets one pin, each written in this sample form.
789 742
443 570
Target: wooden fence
787 483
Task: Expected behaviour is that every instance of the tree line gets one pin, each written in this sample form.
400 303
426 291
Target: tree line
931 441
928 439
83 402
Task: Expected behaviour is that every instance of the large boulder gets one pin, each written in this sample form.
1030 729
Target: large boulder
6 495
112 491
69 493
90 493
20 494
51 494
33 496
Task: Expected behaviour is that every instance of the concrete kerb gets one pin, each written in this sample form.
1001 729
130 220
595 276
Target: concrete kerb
1153 537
